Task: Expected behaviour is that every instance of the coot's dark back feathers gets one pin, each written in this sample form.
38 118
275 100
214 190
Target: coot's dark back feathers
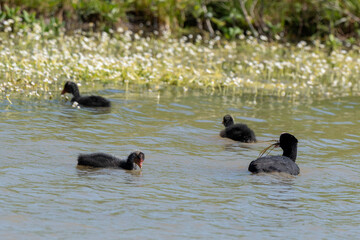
285 163
238 132
274 164
99 160
93 101
87 101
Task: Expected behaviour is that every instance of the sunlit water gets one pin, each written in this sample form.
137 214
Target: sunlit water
194 184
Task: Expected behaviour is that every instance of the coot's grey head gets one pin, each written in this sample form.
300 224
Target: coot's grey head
287 141
228 120
69 87
137 158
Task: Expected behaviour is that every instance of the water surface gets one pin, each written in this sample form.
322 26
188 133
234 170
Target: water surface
194 184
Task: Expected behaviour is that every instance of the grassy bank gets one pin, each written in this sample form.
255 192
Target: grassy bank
36 64
332 21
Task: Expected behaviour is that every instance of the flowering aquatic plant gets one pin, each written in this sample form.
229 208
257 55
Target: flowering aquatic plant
37 63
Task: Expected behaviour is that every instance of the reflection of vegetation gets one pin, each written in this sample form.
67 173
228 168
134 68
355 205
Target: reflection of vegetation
292 19
34 63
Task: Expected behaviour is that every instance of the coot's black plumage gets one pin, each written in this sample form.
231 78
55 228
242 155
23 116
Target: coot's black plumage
103 160
87 101
238 132
285 163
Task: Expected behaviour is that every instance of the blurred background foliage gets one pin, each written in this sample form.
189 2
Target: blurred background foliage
331 21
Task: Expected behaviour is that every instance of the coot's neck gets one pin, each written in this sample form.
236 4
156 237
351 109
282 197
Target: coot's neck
229 123
127 164
291 152
75 92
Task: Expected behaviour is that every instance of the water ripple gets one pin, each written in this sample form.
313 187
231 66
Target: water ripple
194 184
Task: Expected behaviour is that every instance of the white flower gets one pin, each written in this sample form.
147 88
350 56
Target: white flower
75 104
264 38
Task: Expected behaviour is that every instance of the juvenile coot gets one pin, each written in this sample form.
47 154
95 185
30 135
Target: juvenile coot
238 132
285 163
103 160
87 101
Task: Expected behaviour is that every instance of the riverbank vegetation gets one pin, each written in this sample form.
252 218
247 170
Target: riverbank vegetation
156 44
292 20
34 63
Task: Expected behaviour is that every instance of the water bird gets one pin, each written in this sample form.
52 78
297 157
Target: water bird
87 101
103 160
238 132
285 163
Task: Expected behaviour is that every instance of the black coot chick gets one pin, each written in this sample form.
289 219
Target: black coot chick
285 163
103 160
87 101
238 132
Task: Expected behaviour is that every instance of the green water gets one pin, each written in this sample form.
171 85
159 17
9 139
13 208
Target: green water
193 185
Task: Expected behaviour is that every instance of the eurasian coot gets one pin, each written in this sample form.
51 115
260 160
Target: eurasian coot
238 132
285 163
87 101
103 160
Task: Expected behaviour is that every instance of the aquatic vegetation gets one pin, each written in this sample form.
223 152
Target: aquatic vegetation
35 63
